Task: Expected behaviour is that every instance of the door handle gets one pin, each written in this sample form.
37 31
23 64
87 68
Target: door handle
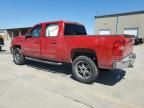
53 42
37 42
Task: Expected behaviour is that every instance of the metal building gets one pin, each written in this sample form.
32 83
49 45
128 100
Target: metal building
124 23
10 33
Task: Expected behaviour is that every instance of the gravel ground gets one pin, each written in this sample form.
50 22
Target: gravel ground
39 85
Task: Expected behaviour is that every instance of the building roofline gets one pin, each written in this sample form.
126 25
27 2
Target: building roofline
15 28
120 14
64 21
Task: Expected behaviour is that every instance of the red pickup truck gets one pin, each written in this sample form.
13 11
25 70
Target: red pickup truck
67 42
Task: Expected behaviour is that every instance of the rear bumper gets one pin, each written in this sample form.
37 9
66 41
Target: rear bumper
125 63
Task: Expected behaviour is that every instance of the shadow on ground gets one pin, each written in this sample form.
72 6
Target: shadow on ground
139 44
109 78
64 69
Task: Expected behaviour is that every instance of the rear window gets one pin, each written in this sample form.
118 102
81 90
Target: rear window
74 29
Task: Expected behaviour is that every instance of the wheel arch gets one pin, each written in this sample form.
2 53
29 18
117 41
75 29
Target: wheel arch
84 52
16 46
13 47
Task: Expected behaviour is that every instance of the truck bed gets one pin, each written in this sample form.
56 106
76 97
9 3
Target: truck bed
103 46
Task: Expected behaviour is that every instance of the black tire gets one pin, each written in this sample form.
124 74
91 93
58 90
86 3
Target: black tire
142 40
0 48
84 69
18 57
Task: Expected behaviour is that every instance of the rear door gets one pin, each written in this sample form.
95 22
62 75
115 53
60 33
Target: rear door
31 46
50 43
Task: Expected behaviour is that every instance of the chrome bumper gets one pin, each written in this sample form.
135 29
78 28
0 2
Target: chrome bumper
125 63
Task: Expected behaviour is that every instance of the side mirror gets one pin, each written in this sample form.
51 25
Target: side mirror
28 35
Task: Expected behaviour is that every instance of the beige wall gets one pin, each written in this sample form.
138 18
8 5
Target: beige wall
106 23
128 21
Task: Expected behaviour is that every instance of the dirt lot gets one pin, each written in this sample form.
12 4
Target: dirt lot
38 85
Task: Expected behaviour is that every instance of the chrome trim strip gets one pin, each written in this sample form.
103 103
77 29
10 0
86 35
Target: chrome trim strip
43 61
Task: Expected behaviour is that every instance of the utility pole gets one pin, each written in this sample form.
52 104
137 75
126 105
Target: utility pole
117 21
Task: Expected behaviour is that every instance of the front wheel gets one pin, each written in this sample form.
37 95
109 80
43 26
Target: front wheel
84 69
18 57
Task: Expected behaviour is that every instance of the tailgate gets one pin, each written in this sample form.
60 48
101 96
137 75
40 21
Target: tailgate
129 45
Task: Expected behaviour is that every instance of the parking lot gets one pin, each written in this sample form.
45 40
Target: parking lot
39 85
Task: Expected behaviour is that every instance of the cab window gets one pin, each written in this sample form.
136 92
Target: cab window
52 30
36 32
74 29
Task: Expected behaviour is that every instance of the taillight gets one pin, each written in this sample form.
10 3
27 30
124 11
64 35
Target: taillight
118 48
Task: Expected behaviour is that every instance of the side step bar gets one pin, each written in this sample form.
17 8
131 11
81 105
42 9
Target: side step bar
44 61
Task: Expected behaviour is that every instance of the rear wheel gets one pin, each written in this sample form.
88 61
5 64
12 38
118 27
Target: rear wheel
0 48
18 57
84 69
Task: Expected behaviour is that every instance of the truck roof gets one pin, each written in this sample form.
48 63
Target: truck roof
62 21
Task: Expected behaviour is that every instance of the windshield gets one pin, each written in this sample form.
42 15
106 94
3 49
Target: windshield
74 29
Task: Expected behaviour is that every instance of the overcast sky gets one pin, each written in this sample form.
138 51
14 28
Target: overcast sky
23 13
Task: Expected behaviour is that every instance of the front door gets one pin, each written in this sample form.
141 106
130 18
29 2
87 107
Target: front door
31 45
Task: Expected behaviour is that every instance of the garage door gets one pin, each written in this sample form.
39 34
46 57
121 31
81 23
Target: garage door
131 32
104 32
